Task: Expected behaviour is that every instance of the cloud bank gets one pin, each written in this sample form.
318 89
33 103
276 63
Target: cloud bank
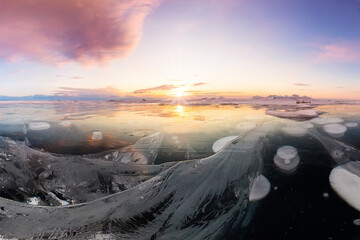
58 31
107 92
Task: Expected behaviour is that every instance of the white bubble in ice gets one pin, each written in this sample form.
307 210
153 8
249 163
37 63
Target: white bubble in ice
351 124
356 222
287 152
335 130
325 195
33 201
308 125
65 123
287 158
38 126
295 131
287 165
260 188
246 126
25 129
221 143
346 185
323 121
337 154
97 135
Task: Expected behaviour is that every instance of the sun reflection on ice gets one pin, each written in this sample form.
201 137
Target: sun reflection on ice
179 109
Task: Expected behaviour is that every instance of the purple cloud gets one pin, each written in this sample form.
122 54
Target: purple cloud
59 31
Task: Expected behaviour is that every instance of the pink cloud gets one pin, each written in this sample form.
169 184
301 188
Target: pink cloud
158 88
198 84
58 31
345 52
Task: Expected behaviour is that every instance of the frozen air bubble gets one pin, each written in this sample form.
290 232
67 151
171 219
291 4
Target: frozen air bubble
221 143
337 154
287 152
295 131
33 201
335 130
245 126
65 123
356 222
351 124
38 126
323 121
287 158
97 135
346 185
260 188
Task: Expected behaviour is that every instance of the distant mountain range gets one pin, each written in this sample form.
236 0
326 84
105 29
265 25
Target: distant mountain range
38 97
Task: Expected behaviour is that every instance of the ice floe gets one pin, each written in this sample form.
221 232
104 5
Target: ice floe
221 143
287 158
335 130
97 135
347 185
260 188
300 114
39 126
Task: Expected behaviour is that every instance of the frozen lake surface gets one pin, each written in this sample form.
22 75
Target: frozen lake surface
106 170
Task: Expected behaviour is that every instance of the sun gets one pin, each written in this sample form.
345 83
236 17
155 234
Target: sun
179 94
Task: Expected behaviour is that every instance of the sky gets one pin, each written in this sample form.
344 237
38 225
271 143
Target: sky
193 48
